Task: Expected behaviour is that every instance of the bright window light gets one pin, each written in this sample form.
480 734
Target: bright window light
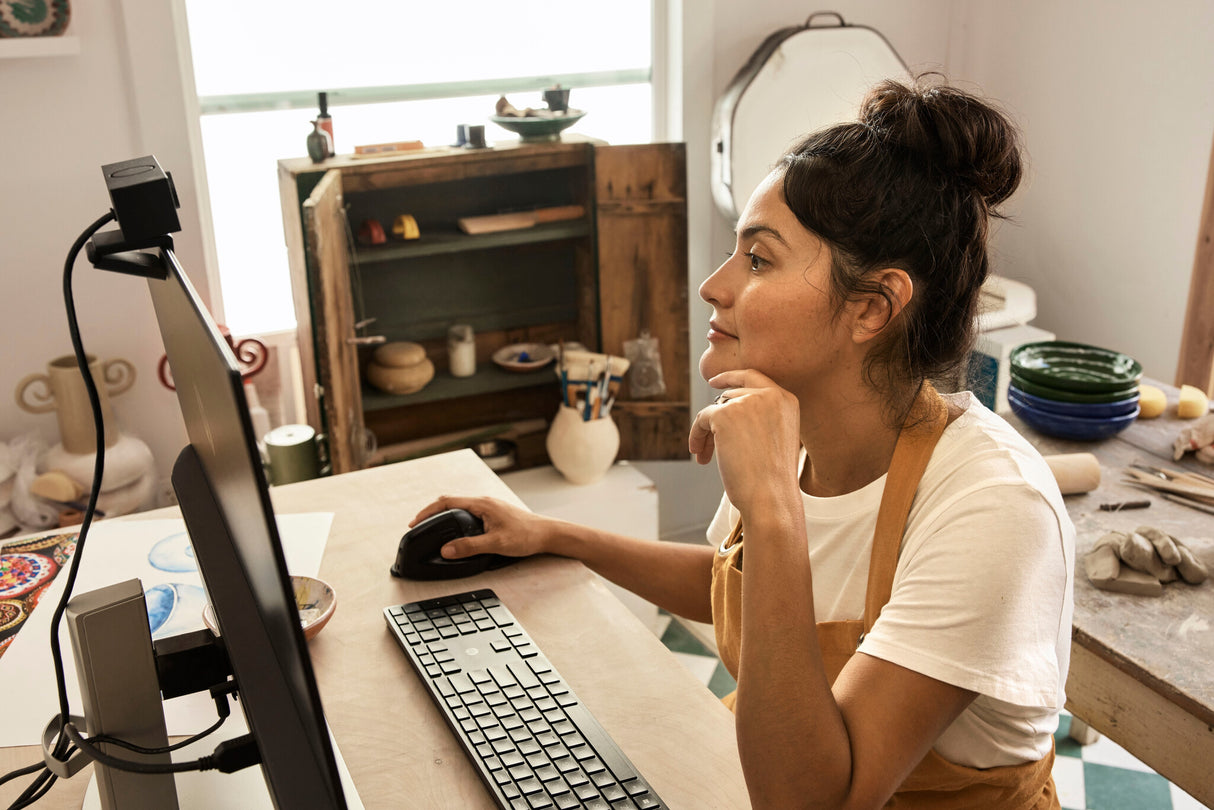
421 63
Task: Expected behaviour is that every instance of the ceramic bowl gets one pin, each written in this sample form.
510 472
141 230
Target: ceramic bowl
536 128
1119 407
523 356
1075 367
314 598
1071 427
1063 395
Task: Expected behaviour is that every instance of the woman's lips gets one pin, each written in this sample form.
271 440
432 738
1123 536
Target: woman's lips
715 332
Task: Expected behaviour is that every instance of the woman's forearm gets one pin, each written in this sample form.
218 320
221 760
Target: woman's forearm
789 727
673 576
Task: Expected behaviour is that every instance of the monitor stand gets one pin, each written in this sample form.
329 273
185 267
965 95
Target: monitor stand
242 790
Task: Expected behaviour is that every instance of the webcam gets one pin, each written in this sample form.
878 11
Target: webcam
144 203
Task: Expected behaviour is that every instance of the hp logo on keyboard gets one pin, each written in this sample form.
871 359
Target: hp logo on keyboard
471 651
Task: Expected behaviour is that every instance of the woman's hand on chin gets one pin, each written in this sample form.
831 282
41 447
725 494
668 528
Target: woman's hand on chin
754 430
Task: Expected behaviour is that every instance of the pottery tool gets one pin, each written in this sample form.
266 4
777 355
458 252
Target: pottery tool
1188 488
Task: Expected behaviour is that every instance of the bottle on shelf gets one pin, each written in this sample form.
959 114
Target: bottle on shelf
326 121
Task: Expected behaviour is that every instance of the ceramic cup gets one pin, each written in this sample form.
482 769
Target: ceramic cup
461 350
294 452
582 450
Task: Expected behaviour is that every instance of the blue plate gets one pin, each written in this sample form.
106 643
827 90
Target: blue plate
1082 409
1071 427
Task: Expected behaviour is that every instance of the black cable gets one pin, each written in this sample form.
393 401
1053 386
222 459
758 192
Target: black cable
139 749
11 775
69 739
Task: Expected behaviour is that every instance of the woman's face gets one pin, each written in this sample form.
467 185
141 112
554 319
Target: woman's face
771 308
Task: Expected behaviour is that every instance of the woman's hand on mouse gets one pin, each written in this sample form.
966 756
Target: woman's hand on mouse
754 430
509 530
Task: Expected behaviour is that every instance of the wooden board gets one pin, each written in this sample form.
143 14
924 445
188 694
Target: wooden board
324 220
1196 366
641 214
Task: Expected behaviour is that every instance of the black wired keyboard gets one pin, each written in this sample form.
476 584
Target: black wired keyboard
532 741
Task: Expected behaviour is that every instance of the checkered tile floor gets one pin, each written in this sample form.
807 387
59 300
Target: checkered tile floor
1100 776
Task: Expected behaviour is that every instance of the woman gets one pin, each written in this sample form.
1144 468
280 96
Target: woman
905 600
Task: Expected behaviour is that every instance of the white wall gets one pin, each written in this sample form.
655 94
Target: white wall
64 117
1114 99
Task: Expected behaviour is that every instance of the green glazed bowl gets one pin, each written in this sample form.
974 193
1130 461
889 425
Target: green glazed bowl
531 130
1075 367
1062 395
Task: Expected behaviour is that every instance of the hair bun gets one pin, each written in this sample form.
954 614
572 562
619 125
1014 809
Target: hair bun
961 134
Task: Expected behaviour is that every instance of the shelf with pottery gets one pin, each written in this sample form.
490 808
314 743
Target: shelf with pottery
26 47
444 242
488 379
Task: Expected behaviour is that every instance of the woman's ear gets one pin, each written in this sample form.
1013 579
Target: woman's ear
875 311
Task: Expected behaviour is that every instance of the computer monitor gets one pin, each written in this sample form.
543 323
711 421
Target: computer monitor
221 487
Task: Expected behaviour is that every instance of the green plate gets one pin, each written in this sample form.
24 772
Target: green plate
1060 395
1075 367
538 129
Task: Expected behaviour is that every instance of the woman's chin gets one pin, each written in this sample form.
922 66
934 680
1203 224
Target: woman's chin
712 363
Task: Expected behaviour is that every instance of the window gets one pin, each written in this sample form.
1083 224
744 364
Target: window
393 71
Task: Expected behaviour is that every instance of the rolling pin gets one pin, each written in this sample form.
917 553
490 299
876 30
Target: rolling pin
1075 472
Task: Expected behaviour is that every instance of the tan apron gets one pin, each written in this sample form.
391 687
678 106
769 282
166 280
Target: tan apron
936 783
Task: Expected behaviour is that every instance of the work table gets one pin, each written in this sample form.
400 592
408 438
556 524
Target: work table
1141 667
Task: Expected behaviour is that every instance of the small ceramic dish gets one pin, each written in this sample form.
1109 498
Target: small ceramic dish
1071 427
314 599
1075 367
523 356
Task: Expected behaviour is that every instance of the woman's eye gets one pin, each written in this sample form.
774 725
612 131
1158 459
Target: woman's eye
756 263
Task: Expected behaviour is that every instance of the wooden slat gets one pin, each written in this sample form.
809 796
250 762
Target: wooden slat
1196 364
324 220
292 225
641 215
1116 703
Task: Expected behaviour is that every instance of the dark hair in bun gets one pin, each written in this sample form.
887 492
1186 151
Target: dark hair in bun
912 184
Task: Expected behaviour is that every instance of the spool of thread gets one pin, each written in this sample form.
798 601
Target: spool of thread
1075 472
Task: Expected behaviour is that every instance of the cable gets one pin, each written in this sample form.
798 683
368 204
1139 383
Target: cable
227 754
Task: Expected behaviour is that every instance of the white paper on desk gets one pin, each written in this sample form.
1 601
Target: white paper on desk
116 551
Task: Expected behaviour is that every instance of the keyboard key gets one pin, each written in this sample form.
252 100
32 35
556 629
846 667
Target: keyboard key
613 793
566 802
530 785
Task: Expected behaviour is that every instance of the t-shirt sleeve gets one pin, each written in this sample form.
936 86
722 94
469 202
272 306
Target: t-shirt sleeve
981 597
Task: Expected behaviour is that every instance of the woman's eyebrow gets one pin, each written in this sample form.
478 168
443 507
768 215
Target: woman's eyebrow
751 231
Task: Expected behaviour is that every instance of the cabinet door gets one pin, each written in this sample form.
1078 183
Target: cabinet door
324 222
641 221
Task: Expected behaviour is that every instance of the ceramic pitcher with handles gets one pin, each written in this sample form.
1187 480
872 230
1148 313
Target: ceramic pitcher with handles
61 389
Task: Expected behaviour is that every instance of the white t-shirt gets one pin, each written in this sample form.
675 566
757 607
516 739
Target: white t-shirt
982 595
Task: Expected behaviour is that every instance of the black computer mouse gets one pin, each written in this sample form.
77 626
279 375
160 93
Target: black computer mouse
418 556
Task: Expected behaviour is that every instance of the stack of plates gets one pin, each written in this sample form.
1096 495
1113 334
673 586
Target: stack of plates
1073 391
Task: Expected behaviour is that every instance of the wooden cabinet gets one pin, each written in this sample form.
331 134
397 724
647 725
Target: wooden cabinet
599 279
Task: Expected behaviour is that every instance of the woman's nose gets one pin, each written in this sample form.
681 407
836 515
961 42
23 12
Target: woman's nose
712 289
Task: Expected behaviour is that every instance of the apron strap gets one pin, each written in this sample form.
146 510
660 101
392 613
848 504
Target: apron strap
923 428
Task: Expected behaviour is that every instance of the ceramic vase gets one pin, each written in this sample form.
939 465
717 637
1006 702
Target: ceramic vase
582 450
61 389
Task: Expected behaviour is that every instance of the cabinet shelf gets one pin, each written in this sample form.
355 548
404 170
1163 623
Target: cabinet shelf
488 379
440 243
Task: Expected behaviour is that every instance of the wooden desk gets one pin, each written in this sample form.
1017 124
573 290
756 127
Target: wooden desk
1142 669
396 745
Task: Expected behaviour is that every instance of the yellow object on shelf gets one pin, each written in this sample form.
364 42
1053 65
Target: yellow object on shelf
405 227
